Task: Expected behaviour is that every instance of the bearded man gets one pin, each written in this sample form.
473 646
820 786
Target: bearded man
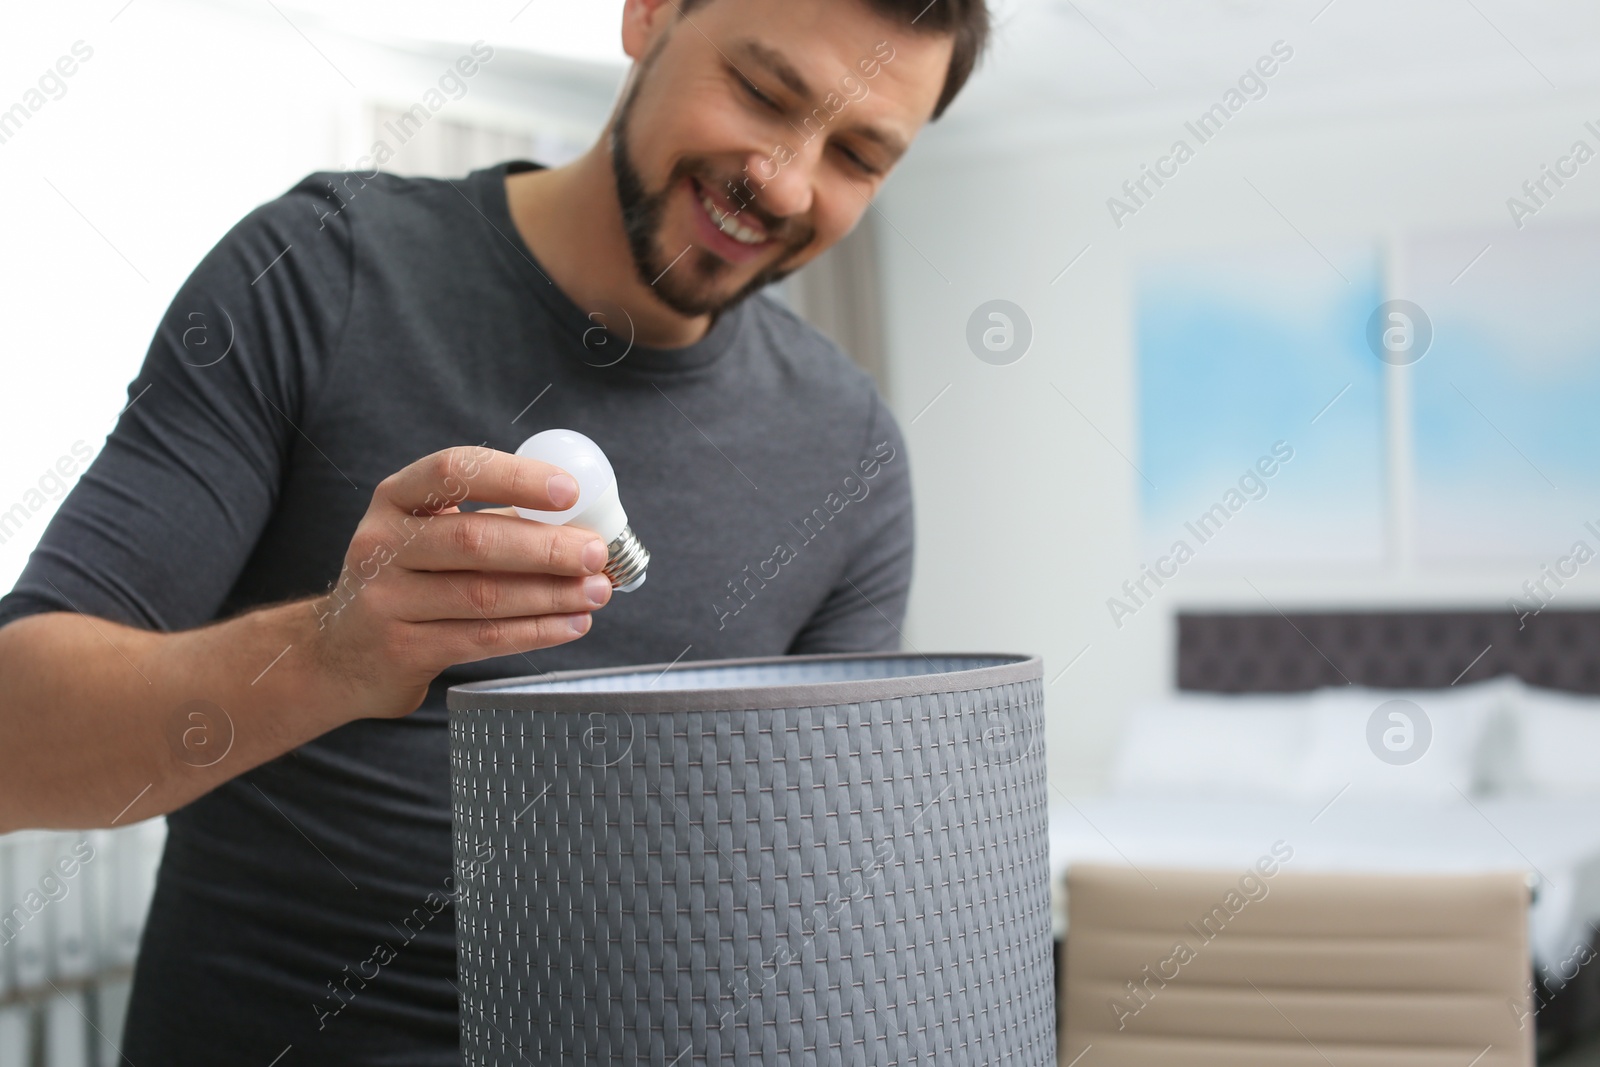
299 533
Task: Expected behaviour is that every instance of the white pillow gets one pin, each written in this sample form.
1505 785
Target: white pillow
1247 746
1412 744
1557 743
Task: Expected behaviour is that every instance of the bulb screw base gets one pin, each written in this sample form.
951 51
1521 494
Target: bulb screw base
626 561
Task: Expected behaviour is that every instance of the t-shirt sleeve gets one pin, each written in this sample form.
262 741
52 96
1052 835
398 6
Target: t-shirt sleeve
158 528
866 609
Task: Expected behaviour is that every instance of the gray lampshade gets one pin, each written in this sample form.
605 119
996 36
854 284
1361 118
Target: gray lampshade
792 860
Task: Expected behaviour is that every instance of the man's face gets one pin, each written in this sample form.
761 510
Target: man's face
755 134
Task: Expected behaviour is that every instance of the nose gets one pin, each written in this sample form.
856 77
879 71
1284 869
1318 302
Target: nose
790 191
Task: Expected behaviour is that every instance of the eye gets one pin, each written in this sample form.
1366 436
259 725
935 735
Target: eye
758 96
856 161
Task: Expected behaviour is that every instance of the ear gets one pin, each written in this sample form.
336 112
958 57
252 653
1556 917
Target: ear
642 22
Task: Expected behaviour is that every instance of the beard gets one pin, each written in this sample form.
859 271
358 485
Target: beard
690 282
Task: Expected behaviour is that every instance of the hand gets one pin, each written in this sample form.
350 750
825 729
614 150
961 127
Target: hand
425 585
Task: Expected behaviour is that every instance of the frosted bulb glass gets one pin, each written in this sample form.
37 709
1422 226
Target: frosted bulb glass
598 507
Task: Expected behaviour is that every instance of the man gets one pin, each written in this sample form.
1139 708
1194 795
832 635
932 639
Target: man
248 611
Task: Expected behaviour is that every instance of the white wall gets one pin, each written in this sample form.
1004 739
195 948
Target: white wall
186 117
1028 516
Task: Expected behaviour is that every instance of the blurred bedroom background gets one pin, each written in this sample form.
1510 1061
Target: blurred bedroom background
1248 356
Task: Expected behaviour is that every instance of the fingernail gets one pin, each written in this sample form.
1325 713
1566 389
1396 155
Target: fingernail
597 587
563 490
594 555
579 623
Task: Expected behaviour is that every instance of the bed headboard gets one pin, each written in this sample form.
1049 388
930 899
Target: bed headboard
1275 653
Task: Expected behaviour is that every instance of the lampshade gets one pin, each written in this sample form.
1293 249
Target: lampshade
789 860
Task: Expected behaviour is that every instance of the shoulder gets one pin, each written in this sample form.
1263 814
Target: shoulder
330 199
816 367
306 242
806 357
327 200
302 232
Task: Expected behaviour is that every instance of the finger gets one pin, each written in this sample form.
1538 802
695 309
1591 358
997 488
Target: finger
473 541
467 641
428 597
452 475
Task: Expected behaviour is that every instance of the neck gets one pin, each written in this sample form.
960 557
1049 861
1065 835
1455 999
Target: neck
571 218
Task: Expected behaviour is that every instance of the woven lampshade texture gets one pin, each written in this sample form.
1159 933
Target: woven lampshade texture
793 860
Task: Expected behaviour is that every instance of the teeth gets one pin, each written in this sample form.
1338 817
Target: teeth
729 225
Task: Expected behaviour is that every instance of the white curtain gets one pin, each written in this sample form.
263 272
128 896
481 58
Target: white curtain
449 148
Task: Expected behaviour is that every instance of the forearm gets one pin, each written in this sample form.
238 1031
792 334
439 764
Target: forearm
107 724
103 724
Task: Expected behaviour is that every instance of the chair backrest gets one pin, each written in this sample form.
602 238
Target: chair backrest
1188 968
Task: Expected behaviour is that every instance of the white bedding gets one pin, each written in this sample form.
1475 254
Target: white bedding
1556 841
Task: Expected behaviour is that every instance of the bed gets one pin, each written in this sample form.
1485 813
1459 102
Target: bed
1403 742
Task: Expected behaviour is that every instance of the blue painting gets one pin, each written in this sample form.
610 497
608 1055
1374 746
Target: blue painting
1261 406
1505 402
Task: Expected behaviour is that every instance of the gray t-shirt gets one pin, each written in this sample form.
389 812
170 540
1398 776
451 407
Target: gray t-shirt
335 335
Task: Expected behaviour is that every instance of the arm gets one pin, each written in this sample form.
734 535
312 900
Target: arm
94 712
115 627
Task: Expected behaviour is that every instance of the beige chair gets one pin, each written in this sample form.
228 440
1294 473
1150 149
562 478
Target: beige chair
1224 969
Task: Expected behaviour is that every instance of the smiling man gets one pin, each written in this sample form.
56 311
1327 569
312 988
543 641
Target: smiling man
246 614
736 157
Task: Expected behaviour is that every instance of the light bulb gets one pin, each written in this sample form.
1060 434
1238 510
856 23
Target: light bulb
598 507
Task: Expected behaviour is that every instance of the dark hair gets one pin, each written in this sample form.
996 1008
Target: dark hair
965 20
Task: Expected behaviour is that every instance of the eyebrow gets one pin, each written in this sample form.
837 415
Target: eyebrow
779 67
